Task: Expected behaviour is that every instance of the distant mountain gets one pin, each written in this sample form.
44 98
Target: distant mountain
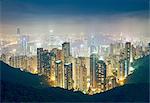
18 86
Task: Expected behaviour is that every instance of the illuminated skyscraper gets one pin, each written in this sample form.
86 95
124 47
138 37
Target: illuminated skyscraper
39 60
66 51
68 80
22 43
122 70
77 72
128 54
93 48
59 73
81 74
46 62
52 67
133 52
101 76
93 61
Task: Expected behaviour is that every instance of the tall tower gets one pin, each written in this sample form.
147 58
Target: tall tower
122 73
51 39
18 41
92 45
93 61
68 79
81 74
101 76
46 62
66 51
59 73
128 54
24 44
39 59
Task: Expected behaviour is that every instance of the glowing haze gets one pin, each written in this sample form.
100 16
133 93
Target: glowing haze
68 17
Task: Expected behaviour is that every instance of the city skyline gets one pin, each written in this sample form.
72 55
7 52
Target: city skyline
106 68
66 50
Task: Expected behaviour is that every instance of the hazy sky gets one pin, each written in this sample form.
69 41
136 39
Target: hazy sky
37 17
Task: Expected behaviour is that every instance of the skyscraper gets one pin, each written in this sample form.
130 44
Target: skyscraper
22 43
81 74
59 73
100 75
39 60
59 68
128 54
93 61
122 71
46 62
68 80
66 51
52 67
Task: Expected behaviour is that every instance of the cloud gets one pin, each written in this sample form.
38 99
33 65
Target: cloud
20 9
68 16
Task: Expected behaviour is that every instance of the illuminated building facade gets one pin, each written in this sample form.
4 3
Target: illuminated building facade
68 80
24 44
101 76
66 51
19 62
93 61
52 67
81 74
46 62
32 64
59 73
121 71
39 60
3 58
128 54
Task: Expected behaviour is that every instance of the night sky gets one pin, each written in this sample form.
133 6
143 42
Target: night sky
75 16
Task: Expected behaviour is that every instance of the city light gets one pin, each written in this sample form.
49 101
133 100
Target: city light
68 72
73 46
71 72
121 81
51 31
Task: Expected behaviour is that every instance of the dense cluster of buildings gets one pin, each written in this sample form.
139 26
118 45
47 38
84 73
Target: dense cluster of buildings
106 66
93 74
25 63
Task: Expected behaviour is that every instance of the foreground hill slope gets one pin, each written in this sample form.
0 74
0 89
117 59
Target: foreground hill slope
18 86
15 75
141 72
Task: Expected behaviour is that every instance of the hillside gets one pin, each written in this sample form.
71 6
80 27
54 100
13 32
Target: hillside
15 75
141 73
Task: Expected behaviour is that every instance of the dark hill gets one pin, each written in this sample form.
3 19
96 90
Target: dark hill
15 91
141 73
15 75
